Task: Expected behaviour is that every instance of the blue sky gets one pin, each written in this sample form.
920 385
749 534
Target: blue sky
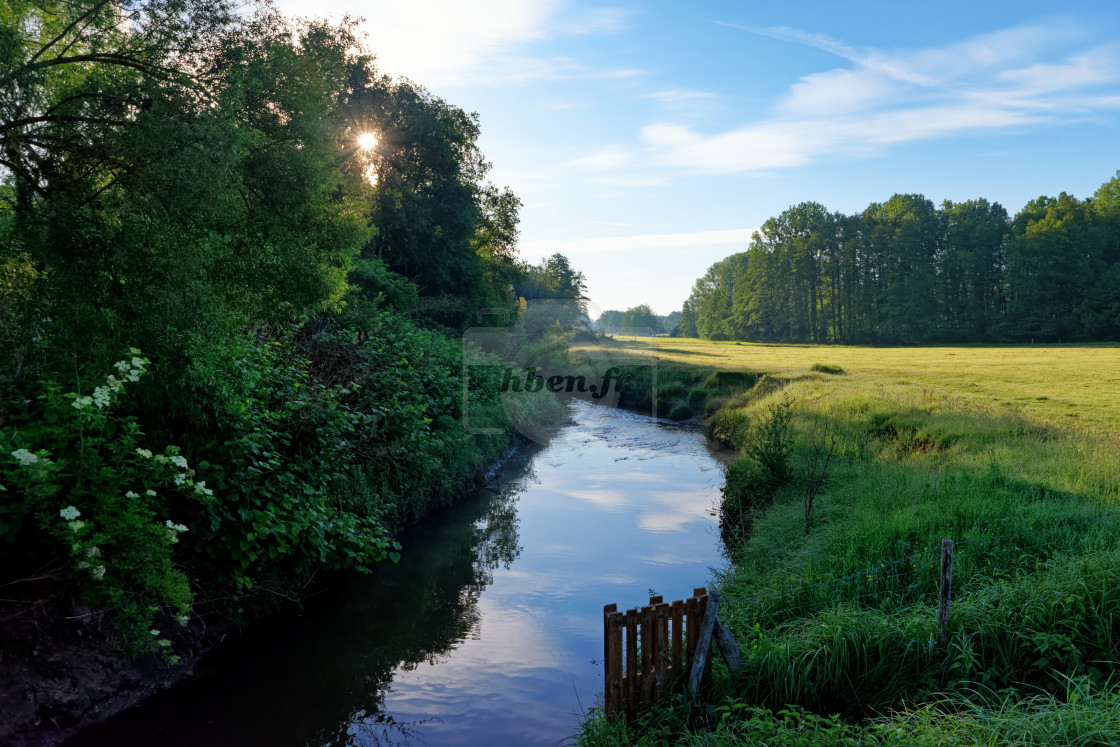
647 140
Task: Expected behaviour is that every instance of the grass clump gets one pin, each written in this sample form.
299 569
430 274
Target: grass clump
826 368
680 412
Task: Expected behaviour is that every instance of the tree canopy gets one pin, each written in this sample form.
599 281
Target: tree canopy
907 271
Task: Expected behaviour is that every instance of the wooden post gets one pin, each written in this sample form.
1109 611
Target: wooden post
704 643
677 642
729 648
946 589
631 692
661 658
610 676
646 667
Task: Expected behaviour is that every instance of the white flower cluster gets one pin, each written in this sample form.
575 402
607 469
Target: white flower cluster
127 370
91 555
69 513
24 457
184 478
173 530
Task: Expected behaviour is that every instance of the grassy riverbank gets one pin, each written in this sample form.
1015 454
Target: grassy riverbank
1010 452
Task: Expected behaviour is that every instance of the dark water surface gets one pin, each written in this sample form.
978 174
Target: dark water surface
489 630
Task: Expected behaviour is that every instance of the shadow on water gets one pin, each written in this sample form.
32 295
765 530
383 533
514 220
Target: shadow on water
321 678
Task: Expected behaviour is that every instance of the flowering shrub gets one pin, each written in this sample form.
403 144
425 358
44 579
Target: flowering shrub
79 485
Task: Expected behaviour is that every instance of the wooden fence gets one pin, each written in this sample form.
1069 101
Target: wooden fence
645 651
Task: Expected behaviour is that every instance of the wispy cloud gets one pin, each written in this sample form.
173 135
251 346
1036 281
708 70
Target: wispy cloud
674 96
736 237
451 43
1005 81
863 56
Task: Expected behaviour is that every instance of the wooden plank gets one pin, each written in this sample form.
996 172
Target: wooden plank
677 638
609 675
661 662
630 694
704 644
946 591
615 692
692 625
729 647
646 666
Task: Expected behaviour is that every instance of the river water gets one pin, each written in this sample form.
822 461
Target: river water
489 629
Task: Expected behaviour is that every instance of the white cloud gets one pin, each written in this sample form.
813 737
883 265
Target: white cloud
999 82
601 159
736 237
451 42
676 96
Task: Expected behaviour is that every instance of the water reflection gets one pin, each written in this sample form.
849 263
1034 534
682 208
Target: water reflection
488 630
321 678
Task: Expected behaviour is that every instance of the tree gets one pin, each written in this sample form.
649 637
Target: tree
75 74
439 222
640 320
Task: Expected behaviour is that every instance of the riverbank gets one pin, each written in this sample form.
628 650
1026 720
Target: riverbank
848 478
60 675
488 630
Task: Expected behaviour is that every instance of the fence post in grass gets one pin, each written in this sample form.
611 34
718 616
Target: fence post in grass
946 588
729 648
704 643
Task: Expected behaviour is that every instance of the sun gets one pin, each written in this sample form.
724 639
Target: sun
367 140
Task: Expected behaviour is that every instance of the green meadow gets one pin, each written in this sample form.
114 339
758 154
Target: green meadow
852 464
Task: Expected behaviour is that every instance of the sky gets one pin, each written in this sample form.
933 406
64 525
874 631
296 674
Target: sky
648 140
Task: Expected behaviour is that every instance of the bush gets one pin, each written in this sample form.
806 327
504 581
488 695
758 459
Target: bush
727 380
771 441
825 368
680 412
697 398
79 484
729 427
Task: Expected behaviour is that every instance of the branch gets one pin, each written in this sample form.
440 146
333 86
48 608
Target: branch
68 29
61 118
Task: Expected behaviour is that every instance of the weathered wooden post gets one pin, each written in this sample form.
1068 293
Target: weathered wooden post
946 589
704 642
729 648
631 692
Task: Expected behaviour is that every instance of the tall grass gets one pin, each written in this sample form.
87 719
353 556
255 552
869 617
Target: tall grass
842 620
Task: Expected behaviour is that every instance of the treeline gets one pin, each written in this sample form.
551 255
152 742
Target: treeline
231 324
637 320
908 272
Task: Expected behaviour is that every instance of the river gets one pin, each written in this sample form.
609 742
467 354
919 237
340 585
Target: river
489 629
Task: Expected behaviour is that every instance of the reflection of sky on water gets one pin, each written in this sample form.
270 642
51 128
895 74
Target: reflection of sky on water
486 631
617 506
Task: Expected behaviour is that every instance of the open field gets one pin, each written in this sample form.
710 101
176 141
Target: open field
1010 452
1057 383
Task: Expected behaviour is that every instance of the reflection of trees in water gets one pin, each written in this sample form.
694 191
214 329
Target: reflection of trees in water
418 611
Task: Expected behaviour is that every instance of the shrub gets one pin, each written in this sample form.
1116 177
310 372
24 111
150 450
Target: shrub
680 412
771 441
79 483
697 398
729 427
726 380
826 368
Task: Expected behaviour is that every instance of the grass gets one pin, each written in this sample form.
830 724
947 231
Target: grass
1056 383
840 620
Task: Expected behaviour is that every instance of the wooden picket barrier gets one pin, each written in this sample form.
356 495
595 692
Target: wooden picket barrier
646 650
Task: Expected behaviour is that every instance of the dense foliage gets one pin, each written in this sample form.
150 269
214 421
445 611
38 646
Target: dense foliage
232 330
906 271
